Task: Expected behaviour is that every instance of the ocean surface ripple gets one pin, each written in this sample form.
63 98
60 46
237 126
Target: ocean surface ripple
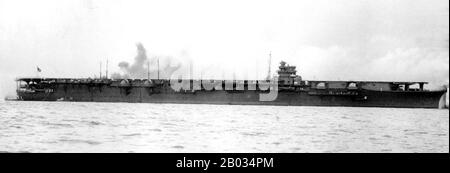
144 127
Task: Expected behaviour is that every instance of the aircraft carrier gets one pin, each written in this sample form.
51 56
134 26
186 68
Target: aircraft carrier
287 88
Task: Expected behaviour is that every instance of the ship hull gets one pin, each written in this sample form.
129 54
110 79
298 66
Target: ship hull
365 98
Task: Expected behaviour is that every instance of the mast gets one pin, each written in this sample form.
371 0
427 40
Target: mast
270 63
106 68
158 68
100 69
148 70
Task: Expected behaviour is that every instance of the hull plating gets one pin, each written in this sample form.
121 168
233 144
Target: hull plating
365 98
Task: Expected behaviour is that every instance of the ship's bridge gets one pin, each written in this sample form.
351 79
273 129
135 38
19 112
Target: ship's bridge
287 75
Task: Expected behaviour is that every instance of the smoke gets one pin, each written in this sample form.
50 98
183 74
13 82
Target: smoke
159 66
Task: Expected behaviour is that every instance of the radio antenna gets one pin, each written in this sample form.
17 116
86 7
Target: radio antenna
100 69
158 67
270 63
148 70
106 68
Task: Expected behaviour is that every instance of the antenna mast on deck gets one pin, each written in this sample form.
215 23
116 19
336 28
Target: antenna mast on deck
270 63
158 68
100 69
148 70
106 68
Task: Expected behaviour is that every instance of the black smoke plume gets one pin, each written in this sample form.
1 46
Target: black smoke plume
140 67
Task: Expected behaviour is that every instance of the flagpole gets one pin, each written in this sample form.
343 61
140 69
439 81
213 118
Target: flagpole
38 71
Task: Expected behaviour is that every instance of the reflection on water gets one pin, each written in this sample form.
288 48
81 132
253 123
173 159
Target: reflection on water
132 127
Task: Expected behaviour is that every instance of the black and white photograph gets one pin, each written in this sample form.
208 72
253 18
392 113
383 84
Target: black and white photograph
235 76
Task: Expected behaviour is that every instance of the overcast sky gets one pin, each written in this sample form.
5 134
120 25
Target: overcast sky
402 40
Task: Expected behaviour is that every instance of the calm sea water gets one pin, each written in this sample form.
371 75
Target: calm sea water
136 127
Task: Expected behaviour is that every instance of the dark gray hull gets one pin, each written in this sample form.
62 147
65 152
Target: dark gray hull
365 98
